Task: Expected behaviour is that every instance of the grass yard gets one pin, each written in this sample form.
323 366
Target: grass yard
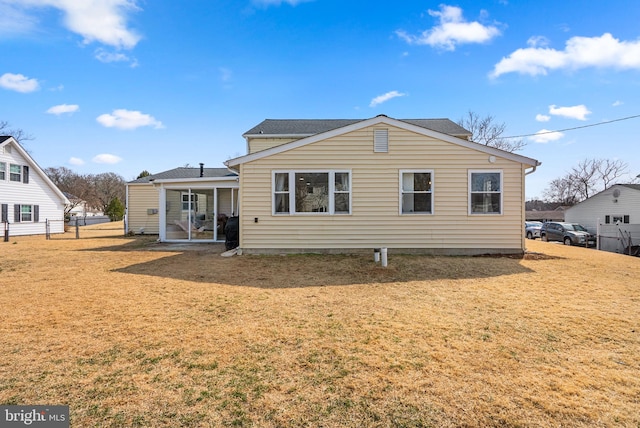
128 332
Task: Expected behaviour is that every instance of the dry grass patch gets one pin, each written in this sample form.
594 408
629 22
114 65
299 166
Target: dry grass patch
129 332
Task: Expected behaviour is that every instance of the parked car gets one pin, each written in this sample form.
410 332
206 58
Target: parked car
568 233
532 229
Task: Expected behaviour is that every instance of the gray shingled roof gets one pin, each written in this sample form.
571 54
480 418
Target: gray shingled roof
184 172
632 186
307 127
4 138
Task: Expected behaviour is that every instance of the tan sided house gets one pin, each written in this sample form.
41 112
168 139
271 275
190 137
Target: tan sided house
354 185
182 204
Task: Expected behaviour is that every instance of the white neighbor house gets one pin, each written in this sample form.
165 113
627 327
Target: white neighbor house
614 214
28 198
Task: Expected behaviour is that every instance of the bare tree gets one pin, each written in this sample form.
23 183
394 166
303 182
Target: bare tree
17 133
96 190
77 188
108 186
585 179
610 170
485 130
563 191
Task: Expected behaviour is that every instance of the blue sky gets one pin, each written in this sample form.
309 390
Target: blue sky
130 85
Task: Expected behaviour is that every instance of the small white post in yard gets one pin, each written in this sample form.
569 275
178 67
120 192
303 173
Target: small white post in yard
376 255
383 253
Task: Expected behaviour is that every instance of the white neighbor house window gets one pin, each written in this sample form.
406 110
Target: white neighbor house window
485 192
416 192
15 173
26 213
3 171
301 192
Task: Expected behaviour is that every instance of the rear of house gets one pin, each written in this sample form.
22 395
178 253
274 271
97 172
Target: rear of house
183 204
380 182
28 198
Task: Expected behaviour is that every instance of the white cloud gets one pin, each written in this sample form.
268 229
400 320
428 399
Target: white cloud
385 97
580 52
579 112
544 136
63 108
107 57
453 30
538 41
19 83
76 161
15 21
106 158
543 118
104 21
617 103
267 3
127 119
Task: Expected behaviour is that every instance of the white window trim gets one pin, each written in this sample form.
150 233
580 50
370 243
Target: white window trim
292 185
30 212
192 203
18 173
469 192
4 171
409 171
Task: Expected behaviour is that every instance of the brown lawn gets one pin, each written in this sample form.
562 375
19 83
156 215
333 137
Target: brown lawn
128 332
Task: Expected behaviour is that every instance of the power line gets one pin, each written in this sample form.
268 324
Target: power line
577 127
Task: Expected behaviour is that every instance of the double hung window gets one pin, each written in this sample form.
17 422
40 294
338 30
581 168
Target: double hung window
23 213
3 171
297 192
485 192
416 192
15 173
26 213
189 206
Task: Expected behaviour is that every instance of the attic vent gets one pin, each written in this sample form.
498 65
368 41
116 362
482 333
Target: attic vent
381 140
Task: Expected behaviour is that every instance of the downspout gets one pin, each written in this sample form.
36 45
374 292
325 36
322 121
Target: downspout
524 211
126 211
534 169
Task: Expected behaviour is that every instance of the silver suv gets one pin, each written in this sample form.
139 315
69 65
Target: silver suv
568 233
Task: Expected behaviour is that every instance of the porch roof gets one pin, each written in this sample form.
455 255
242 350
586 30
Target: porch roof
182 173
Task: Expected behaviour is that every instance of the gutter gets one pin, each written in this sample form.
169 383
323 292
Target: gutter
534 168
237 172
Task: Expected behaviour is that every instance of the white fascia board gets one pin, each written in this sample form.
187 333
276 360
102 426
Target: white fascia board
37 168
266 136
196 179
387 121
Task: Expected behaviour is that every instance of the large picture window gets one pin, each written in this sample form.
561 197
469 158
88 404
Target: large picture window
485 192
416 192
327 192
